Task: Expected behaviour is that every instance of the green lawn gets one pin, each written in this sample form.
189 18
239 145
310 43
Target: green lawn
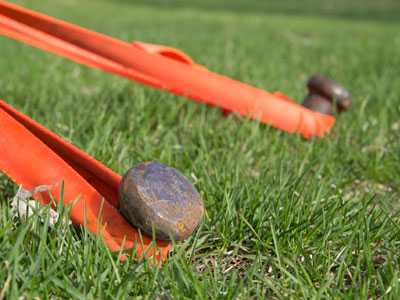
285 217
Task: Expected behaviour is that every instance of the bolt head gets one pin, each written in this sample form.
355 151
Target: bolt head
157 198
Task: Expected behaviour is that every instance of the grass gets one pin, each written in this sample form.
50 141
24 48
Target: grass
285 217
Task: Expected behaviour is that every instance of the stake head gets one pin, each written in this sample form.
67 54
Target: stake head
158 199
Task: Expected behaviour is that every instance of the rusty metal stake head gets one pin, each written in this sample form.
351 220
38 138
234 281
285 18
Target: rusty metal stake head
324 91
155 197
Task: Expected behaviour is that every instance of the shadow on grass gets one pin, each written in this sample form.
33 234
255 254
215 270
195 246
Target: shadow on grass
373 10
